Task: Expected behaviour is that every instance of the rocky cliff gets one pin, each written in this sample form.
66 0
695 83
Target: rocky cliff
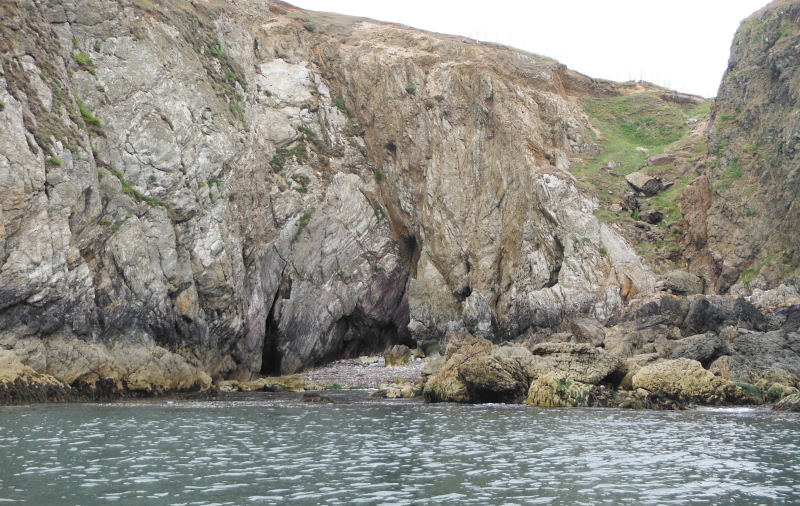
197 190
744 212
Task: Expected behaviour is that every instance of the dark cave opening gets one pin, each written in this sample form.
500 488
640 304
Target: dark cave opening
271 355
410 251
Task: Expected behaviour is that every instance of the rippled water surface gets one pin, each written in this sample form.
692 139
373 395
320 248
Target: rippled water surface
278 450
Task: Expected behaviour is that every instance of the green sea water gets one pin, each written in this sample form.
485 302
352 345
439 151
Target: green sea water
275 449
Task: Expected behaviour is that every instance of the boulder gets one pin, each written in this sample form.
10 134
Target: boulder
786 318
446 384
291 383
501 376
644 184
651 216
704 348
633 365
397 390
714 312
686 381
630 202
587 330
397 355
649 334
681 283
577 362
770 356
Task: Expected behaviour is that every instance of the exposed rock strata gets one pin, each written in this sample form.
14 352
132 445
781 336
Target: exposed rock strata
194 191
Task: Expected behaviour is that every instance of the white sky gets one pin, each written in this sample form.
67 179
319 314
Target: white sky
683 44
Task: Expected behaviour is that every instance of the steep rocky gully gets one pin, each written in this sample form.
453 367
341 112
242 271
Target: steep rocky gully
193 192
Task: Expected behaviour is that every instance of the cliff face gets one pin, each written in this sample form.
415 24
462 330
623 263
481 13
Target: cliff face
744 214
197 190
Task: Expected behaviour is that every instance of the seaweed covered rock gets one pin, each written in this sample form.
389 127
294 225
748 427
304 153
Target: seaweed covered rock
790 403
686 381
20 383
553 391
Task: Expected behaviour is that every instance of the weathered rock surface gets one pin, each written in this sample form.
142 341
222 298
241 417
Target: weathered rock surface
771 356
446 383
553 391
704 348
20 383
578 362
475 370
206 191
503 375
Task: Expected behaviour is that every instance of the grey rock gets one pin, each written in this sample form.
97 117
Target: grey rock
644 184
651 216
681 283
704 348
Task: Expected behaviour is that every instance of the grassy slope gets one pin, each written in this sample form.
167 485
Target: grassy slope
645 120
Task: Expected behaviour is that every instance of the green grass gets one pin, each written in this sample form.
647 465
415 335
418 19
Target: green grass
54 161
338 102
378 175
301 225
642 119
749 275
299 151
82 59
668 201
627 122
85 62
130 190
734 170
88 117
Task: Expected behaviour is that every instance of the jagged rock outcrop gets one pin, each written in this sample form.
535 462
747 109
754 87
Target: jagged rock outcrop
743 214
192 191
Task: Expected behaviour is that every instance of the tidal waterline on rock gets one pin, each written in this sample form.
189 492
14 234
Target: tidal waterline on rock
274 449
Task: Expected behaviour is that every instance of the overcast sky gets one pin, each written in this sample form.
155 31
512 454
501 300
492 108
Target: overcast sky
680 43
